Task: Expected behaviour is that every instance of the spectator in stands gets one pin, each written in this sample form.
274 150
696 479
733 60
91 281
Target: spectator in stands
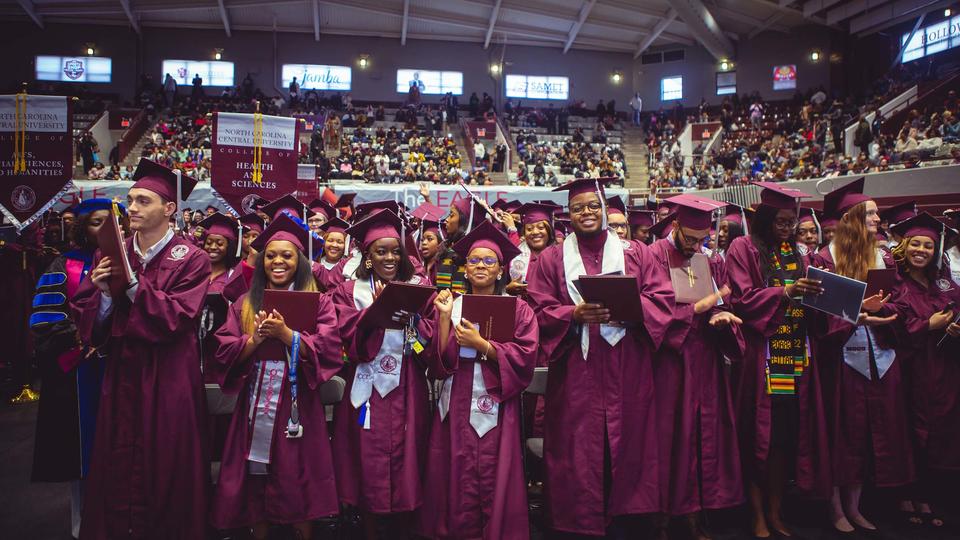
636 105
756 114
197 87
906 142
88 147
863 135
98 172
169 90
294 90
601 109
480 152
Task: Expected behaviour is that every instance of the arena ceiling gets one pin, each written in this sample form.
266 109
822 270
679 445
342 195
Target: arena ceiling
608 25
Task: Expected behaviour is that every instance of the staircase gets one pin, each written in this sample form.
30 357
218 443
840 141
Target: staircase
137 151
635 153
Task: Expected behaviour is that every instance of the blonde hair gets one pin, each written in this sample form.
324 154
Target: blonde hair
856 248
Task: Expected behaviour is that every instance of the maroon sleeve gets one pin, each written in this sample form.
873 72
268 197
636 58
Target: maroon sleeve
546 293
656 293
159 316
759 306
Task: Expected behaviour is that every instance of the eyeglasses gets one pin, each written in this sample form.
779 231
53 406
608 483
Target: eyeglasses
618 226
785 223
594 206
691 241
487 261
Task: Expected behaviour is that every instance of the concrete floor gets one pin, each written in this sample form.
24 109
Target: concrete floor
31 511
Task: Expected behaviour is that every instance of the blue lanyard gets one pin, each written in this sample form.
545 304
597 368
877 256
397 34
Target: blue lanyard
294 360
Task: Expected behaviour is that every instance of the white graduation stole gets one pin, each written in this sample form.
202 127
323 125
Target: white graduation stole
327 264
264 405
350 268
856 351
484 409
383 372
573 268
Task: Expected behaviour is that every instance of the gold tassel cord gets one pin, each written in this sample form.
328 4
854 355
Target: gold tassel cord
257 176
20 134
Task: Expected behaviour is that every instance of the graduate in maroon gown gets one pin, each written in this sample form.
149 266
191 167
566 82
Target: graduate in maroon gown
431 241
474 484
381 427
699 460
861 376
221 241
336 242
640 221
926 305
600 442
239 281
149 472
266 476
780 417
536 222
733 224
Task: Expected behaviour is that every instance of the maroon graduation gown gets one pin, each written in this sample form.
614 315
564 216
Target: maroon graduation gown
300 484
867 419
933 373
379 469
762 309
149 472
699 458
474 487
603 402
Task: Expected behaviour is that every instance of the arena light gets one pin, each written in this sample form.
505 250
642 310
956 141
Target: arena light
217 54
815 56
364 61
91 49
724 65
495 68
616 77
947 12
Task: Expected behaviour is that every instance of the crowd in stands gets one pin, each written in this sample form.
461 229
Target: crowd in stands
799 139
796 139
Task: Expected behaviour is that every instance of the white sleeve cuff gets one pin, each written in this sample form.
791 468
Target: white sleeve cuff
106 306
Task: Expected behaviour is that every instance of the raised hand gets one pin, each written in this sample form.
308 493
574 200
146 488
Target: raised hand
873 303
444 302
100 275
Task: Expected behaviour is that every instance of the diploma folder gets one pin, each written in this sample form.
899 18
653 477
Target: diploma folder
880 279
496 315
397 296
693 282
299 310
111 242
842 296
619 294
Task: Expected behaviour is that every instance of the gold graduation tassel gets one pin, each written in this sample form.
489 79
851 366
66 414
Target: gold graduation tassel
20 133
257 175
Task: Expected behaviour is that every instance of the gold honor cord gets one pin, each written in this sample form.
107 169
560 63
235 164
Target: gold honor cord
257 176
20 134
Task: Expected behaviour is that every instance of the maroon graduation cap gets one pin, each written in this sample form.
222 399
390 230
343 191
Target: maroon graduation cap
163 181
487 235
838 201
776 196
899 212
287 203
380 224
283 228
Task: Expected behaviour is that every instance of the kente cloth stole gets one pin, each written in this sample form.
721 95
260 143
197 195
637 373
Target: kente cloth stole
788 352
